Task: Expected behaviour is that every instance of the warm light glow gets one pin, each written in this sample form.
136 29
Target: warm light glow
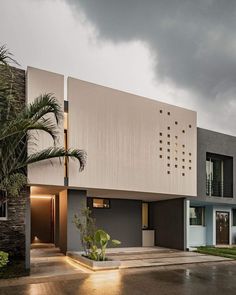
101 203
40 197
65 121
145 215
78 266
97 280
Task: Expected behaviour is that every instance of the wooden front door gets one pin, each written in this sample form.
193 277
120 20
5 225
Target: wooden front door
222 228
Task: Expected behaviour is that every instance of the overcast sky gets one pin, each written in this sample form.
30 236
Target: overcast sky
181 52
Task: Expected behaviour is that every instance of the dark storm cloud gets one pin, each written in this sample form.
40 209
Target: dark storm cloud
194 41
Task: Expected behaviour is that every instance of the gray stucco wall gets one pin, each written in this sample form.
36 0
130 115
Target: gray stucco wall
217 143
76 201
70 202
209 225
167 218
123 221
63 221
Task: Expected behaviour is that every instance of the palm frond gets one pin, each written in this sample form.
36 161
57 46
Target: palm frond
43 105
6 57
22 126
13 184
56 152
17 122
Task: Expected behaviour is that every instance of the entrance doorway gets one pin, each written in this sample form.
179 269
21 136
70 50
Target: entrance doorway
42 219
222 228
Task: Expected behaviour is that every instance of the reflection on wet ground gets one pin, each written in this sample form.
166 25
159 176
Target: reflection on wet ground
186 279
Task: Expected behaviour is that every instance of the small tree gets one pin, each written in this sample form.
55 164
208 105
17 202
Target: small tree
86 227
94 241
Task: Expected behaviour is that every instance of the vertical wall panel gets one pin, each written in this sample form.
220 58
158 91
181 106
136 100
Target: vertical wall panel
133 143
123 221
76 203
167 219
41 82
63 221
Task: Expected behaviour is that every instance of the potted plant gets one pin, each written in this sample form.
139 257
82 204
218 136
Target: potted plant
94 243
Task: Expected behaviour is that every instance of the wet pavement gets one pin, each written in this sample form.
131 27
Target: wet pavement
53 273
206 278
49 262
158 256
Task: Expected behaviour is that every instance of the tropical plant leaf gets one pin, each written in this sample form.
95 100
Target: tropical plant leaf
115 242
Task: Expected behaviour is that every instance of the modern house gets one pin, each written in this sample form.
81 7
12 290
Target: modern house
152 177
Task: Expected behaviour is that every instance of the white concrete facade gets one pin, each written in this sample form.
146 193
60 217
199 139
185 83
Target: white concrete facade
133 143
40 82
137 148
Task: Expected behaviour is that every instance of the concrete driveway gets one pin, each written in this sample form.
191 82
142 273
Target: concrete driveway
49 262
190 279
54 273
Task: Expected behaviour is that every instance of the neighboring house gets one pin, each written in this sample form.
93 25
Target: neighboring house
212 214
152 177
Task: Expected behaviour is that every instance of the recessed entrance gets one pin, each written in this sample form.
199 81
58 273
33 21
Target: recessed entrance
49 217
222 228
42 219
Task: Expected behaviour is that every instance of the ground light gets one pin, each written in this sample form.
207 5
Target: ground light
77 266
101 280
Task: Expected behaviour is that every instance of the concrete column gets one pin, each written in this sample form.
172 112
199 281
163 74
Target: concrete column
76 201
63 221
209 220
186 223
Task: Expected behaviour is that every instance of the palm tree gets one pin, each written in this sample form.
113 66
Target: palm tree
17 121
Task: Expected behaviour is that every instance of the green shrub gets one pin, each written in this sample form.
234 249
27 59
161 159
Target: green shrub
3 258
94 241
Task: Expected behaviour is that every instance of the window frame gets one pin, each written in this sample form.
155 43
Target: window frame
233 218
203 217
109 203
212 180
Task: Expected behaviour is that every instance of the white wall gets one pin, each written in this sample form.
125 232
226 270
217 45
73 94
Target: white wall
41 82
233 233
121 134
197 235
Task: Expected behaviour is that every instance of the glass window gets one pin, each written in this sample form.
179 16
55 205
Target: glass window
213 176
101 203
197 216
3 205
219 175
234 217
144 215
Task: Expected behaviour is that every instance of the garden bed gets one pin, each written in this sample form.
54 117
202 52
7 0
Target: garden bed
92 264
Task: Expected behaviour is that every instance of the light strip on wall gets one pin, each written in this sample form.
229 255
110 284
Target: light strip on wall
41 197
